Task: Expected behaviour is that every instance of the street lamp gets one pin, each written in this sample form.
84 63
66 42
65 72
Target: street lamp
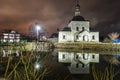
38 28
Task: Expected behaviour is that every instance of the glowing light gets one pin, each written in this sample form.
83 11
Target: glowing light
37 66
38 27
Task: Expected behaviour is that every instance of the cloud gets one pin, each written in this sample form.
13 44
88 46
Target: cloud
53 14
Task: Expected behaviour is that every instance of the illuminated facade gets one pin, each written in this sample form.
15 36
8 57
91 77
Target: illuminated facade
78 30
11 36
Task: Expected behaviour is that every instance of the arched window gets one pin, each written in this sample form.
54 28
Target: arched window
63 56
77 56
83 28
85 56
93 56
77 28
93 37
63 36
85 38
77 37
77 65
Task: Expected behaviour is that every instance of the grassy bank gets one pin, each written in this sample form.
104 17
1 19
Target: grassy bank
88 46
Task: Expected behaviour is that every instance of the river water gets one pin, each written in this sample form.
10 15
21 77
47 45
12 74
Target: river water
64 65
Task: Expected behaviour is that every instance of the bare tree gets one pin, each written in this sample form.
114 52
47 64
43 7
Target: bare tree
113 35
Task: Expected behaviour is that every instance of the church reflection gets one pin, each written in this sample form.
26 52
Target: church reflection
79 62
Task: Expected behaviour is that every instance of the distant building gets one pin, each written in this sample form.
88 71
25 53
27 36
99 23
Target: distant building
53 38
79 62
78 30
10 36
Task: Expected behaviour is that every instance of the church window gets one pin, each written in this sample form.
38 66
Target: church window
85 56
83 28
93 37
85 38
77 28
63 36
77 56
63 56
83 65
76 36
93 56
77 65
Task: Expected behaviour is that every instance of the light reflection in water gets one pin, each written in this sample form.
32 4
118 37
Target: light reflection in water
79 62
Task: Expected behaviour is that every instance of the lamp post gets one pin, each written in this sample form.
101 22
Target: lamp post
37 26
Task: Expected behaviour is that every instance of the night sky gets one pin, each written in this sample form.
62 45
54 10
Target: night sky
52 14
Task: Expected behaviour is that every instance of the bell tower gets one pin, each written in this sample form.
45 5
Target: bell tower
77 8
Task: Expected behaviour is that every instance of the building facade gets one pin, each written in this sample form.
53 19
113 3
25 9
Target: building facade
10 36
78 30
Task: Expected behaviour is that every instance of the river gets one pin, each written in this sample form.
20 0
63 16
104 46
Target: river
61 65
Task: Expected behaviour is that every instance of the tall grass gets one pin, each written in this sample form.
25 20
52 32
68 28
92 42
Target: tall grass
23 70
22 67
107 74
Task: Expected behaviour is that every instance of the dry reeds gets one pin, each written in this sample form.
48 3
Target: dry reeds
107 74
20 68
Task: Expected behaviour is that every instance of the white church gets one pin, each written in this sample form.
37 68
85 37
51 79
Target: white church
78 30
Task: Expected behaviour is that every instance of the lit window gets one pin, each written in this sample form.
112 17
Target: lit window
4 40
6 36
11 36
17 40
11 40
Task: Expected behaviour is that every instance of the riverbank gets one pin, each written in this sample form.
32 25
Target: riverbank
96 46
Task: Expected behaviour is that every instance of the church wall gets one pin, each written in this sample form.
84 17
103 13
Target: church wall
94 58
85 36
94 36
65 36
80 24
85 58
65 57
80 36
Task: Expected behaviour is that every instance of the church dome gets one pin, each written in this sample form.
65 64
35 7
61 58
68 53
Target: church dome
78 18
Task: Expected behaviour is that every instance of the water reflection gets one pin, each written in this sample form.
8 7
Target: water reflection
65 65
79 62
